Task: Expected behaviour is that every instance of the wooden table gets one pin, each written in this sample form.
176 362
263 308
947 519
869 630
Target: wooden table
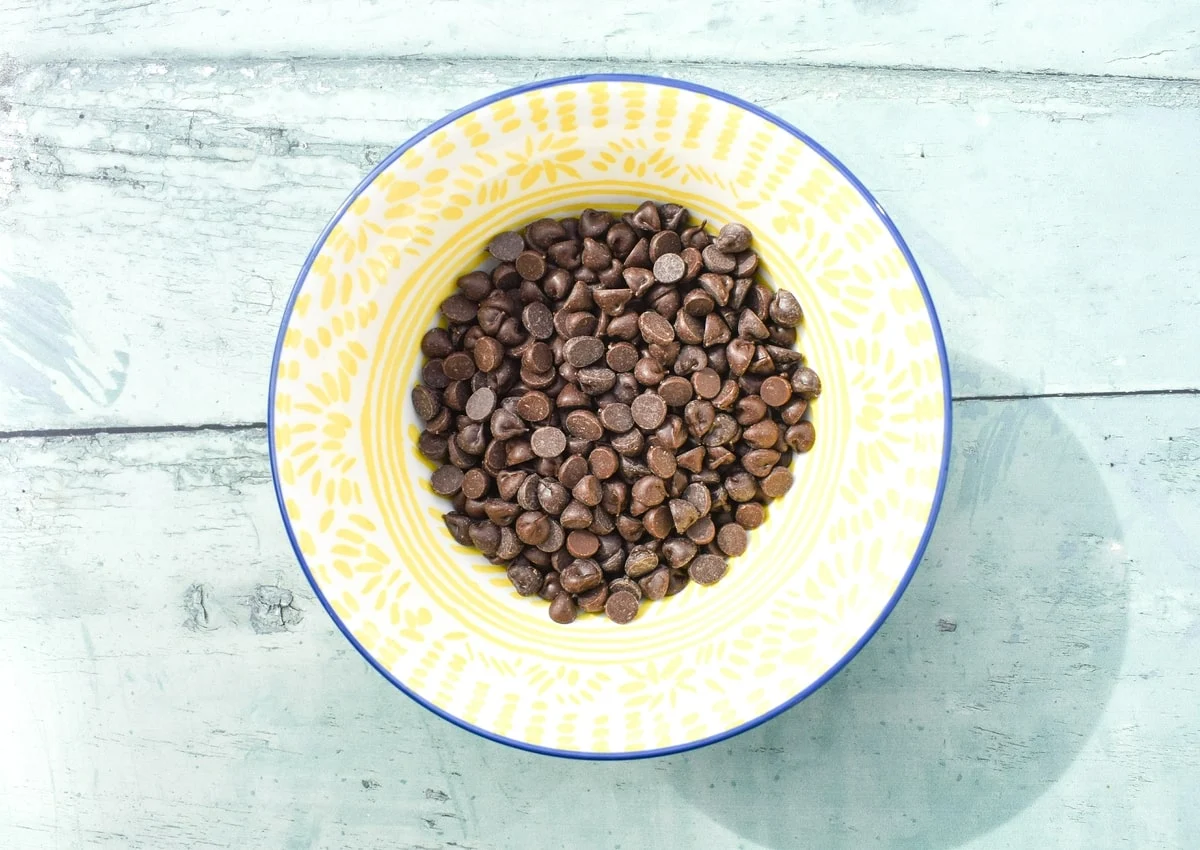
166 677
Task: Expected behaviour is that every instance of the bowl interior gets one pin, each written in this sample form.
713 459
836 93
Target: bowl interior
445 624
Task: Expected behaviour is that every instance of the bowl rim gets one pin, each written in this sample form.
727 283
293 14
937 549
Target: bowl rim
935 506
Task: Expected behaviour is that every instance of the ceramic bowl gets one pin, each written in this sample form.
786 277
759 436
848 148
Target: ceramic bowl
443 624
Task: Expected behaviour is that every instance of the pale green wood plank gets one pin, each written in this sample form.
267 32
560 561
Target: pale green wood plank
1036 687
1131 37
147 247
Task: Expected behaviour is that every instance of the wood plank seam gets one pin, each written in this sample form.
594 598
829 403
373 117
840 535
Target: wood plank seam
551 67
62 433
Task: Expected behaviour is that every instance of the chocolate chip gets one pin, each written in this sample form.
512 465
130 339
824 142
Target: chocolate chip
629 443
582 544
612 301
703 531
506 247
588 490
793 411
505 277
649 491
531 265
675 391
475 285
593 224
485 537
459 366
646 218
679 551
584 424
785 309
750 326
699 417
582 574
603 463
698 303
538 320
662 243
648 410
751 409
426 402
621 238
671 434
762 434
564 254
661 461
683 514
739 353
800 437
583 351
692 460
446 480
718 262
777 482
481 404
458 308
639 257
432 446
622 357
594 600
436 343
806 383
728 396
740 487
548 442
642 560
544 232
595 255
655 329
733 238
488 354
747 265
552 496
776 391
655 585
718 287
525 579
576 515
669 268
562 609
621 607
707 569
732 539
595 380
707 383
555 540
534 406
724 431
649 372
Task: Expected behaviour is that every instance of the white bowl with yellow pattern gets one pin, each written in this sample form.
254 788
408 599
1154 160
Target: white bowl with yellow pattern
443 624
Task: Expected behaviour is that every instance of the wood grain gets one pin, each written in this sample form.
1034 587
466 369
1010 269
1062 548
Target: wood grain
169 680
1130 37
153 216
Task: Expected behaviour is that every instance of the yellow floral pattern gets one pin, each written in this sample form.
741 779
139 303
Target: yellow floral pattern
443 621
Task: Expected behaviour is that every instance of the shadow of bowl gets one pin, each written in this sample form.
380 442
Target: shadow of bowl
982 686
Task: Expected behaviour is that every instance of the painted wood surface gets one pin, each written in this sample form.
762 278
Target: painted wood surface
1129 37
169 680
153 216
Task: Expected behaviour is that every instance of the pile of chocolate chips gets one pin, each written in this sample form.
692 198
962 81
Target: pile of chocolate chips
613 405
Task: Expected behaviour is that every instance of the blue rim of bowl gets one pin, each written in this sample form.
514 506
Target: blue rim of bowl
937 333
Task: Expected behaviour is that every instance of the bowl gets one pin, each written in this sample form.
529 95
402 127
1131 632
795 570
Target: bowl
443 624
